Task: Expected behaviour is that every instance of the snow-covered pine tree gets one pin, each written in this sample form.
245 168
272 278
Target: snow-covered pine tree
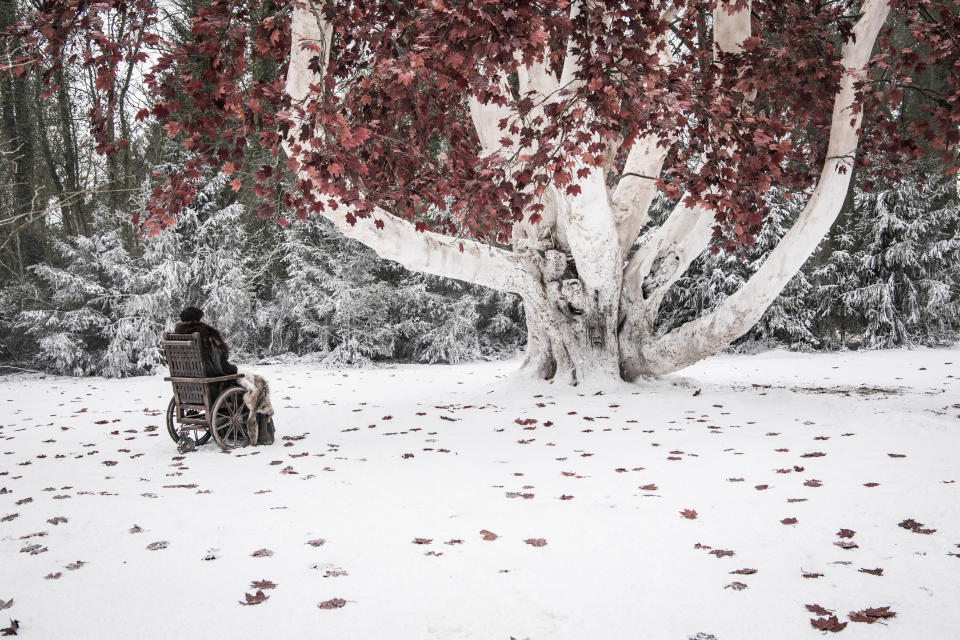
335 296
224 264
329 298
80 302
448 317
896 275
501 324
151 302
297 318
715 276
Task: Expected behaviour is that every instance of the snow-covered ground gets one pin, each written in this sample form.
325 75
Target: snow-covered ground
392 483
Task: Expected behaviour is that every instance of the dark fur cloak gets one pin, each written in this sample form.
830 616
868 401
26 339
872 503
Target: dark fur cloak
214 348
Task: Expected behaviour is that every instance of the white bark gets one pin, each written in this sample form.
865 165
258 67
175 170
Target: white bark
486 120
571 62
707 335
398 239
730 27
665 256
637 188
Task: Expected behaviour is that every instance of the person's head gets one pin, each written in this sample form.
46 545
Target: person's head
191 314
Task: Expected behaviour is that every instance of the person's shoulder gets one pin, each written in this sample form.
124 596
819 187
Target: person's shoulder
184 327
208 331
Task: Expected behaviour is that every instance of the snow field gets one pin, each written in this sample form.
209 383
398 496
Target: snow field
602 479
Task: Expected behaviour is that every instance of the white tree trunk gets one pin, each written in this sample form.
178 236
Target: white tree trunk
590 316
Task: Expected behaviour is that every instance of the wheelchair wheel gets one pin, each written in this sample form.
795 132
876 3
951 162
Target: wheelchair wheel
199 435
229 419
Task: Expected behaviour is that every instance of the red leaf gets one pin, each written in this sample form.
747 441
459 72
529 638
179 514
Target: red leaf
263 584
871 615
689 514
333 603
104 79
488 535
817 609
917 527
536 542
828 624
257 598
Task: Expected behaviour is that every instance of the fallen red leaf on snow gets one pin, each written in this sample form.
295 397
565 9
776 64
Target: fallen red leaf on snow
917 527
828 624
817 609
263 584
333 603
872 615
257 598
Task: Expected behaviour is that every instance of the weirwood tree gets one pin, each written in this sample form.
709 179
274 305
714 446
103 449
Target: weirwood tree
519 145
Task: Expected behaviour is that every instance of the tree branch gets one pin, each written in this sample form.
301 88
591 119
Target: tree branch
706 335
389 236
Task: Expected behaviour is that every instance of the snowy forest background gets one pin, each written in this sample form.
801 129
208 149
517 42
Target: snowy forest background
82 292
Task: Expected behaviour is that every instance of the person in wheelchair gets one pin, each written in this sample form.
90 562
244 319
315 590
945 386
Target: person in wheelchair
213 348
215 356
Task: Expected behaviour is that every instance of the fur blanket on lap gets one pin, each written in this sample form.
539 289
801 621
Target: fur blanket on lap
257 398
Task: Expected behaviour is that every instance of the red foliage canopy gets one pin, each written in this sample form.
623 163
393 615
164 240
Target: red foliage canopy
394 105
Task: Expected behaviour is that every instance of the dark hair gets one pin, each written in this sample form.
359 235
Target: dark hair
191 314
